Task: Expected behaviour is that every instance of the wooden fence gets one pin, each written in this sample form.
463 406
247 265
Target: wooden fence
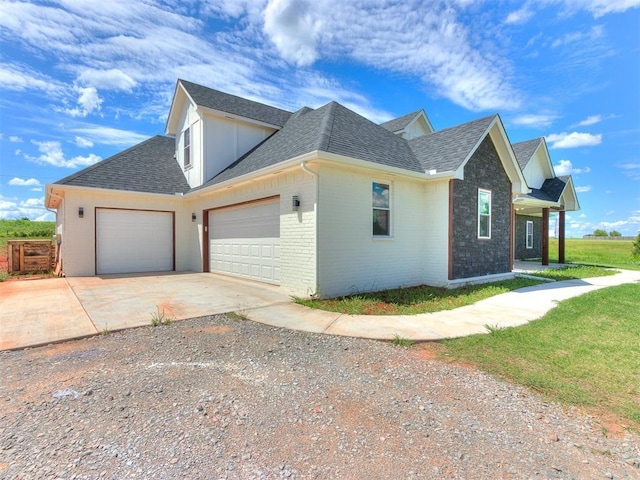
30 255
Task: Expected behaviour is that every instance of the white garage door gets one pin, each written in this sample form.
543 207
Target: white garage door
245 241
132 241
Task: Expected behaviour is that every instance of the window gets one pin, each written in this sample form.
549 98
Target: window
381 210
529 234
186 142
484 213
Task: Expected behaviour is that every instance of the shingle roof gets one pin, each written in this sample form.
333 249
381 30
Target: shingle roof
446 149
208 97
401 122
146 167
332 128
525 150
551 190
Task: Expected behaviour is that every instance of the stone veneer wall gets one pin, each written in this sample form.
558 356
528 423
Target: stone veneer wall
521 250
471 256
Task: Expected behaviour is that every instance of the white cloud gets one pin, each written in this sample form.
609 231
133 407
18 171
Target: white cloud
51 154
88 102
519 16
609 225
591 120
599 8
565 167
294 29
32 208
595 33
15 139
610 212
582 215
111 79
83 142
21 182
110 136
535 120
631 170
18 77
584 189
572 140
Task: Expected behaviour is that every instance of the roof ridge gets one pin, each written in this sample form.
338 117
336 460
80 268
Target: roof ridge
234 95
104 161
326 127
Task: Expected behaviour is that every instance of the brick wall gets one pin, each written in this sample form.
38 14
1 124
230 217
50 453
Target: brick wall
471 256
521 250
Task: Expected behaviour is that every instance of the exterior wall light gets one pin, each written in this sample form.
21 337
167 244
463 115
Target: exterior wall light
295 203
80 212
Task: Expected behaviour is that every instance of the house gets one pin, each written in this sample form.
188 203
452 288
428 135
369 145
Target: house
318 201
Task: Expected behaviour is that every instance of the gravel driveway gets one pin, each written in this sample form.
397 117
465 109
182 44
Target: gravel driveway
216 397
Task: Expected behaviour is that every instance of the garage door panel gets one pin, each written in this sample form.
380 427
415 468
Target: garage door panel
245 241
130 241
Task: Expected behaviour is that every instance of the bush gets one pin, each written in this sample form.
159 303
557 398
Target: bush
636 247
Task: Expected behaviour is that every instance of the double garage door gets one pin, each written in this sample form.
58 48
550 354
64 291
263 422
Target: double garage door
244 241
132 241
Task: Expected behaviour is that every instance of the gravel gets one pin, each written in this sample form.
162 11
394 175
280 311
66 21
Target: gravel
216 397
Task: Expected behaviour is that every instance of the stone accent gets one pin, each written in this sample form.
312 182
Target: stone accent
521 250
471 256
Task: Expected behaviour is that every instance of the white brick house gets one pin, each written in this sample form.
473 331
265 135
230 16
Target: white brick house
319 202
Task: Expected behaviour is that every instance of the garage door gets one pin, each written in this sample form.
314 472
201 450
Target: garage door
244 241
131 241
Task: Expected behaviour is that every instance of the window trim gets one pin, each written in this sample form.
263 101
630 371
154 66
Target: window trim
387 209
483 191
529 235
186 148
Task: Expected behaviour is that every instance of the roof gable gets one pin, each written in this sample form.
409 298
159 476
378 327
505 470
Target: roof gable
147 167
201 96
450 149
534 160
404 123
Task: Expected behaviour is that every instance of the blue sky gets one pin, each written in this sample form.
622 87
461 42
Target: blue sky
82 80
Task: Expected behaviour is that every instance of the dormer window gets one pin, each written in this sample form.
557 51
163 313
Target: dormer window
186 142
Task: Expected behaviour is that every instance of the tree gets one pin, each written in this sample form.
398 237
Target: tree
636 247
615 233
600 233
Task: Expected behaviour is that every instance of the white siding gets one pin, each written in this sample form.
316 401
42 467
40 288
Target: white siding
297 229
537 170
351 258
226 140
78 234
436 237
189 118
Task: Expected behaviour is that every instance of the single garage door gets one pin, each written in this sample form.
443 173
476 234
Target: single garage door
132 241
244 241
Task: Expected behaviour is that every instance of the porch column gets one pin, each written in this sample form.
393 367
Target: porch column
561 236
545 236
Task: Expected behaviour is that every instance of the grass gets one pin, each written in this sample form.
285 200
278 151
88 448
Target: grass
14 229
401 341
413 300
160 318
605 253
584 352
574 273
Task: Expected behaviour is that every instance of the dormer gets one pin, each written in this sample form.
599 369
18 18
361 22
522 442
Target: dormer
213 129
412 125
535 162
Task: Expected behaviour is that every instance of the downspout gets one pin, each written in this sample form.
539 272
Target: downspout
58 243
303 166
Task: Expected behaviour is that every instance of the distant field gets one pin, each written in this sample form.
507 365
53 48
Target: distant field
606 253
16 229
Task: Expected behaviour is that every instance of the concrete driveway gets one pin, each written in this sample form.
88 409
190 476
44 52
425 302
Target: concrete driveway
37 312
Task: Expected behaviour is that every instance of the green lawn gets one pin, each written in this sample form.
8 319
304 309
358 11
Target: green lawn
584 352
412 300
573 273
606 253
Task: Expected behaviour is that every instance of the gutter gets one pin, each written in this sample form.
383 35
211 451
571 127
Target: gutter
303 166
